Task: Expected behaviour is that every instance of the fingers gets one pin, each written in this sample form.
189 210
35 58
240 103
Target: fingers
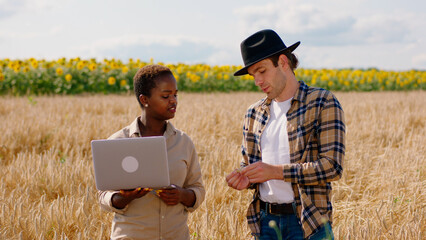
237 180
144 191
250 169
229 176
256 172
170 196
260 172
135 193
232 177
243 184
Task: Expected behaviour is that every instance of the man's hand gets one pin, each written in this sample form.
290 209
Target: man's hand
237 180
260 172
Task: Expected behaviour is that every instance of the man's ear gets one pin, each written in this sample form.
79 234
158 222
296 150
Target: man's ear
283 61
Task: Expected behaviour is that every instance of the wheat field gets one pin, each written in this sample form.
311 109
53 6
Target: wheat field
47 188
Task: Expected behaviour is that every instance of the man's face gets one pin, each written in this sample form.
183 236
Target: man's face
270 79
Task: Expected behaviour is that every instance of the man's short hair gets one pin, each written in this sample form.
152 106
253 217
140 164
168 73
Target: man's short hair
293 61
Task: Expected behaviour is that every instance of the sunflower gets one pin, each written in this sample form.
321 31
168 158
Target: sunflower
111 80
59 71
68 77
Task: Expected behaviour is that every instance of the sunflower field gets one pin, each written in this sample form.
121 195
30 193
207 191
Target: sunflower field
75 76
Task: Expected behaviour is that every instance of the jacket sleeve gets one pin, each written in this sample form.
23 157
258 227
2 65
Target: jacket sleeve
104 199
194 180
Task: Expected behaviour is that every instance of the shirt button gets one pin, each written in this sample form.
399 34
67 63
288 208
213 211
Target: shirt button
162 217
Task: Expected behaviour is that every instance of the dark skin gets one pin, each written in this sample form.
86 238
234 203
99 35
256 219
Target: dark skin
158 108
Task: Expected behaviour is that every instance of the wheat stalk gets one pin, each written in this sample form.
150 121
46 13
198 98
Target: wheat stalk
47 187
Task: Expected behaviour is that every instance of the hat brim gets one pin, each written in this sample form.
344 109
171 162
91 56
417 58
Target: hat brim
243 70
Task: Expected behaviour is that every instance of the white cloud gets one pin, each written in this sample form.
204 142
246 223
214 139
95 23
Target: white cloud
10 7
31 35
419 60
132 39
164 48
334 33
340 34
225 57
390 56
318 25
381 28
305 21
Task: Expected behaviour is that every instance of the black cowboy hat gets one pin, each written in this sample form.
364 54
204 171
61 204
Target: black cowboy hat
261 45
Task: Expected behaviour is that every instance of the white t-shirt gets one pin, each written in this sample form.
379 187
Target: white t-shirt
276 151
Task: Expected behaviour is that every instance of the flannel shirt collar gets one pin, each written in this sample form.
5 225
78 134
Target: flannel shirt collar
300 96
301 92
265 103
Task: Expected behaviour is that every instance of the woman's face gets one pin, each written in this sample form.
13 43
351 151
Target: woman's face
163 101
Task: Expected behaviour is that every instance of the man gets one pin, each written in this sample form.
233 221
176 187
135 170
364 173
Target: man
293 145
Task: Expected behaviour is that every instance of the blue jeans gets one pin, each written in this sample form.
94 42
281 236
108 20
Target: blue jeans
289 227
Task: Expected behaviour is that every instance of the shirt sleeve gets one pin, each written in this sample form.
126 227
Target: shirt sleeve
331 149
105 200
248 142
194 180
245 160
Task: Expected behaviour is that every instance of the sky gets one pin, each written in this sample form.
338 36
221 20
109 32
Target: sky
384 34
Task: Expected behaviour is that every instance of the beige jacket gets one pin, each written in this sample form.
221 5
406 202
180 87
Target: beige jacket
149 217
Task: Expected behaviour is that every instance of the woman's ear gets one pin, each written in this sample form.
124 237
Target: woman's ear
143 99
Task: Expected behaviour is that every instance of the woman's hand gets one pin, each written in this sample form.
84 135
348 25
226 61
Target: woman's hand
135 193
124 197
175 194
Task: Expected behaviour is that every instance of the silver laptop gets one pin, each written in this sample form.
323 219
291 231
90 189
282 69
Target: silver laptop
129 163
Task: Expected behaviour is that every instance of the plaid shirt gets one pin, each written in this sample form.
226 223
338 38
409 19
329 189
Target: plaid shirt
316 133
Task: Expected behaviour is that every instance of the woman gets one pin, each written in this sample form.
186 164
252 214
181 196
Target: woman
142 213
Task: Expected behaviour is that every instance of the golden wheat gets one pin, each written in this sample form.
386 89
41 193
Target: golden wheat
47 188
